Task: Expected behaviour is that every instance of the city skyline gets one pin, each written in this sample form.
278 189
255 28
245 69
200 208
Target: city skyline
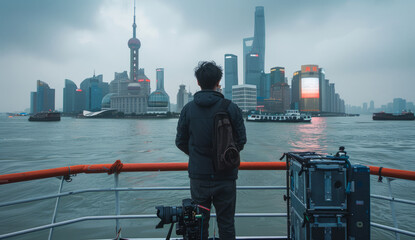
365 48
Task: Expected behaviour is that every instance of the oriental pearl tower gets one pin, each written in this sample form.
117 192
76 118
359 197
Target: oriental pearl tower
134 44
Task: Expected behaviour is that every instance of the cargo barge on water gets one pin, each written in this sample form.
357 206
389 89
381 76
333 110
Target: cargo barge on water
389 116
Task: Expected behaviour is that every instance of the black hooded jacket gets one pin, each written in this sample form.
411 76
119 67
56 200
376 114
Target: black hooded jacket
195 133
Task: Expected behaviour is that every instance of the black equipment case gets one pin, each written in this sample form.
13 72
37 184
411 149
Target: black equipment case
328 198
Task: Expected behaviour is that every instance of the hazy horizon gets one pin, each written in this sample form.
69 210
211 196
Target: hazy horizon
366 48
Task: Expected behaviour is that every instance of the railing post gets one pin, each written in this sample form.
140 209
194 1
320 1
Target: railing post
56 208
117 208
392 204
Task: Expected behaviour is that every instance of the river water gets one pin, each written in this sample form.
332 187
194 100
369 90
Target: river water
26 146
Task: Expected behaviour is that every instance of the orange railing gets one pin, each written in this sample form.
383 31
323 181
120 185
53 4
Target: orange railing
137 167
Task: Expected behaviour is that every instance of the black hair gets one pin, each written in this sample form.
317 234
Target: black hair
208 74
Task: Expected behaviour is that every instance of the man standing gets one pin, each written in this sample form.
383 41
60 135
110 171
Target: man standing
195 138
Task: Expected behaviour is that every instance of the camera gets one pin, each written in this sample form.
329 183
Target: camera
189 218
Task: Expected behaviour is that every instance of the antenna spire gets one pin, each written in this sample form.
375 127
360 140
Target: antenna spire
134 25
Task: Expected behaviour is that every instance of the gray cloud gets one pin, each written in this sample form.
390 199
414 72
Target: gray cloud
366 47
40 27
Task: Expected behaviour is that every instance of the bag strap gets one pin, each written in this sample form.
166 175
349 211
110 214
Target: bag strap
224 105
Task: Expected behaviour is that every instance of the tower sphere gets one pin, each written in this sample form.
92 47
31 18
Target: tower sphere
134 43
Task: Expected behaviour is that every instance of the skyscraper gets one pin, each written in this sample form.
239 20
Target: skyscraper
43 100
322 89
69 92
277 75
182 98
399 105
258 45
372 106
94 90
332 90
295 90
280 92
33 102
160 78
265 85
231 74
254 55
247 47
159 101
324 92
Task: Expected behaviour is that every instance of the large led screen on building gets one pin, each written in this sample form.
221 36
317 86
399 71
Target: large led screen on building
309 88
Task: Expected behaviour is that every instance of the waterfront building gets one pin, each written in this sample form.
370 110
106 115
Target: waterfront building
278 75
79 100
365 107
190 97
254 55
399 105
332 97
245 96
372 106
329 95
135 101
323 89
342 106
120 83
159 100
94 89
280 91
73 98
43 100
337 103
106 101
295 90
182 98
325 93
410 106
265 86
231 74
33 102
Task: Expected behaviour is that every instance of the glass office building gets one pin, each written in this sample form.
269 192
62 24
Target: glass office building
231 74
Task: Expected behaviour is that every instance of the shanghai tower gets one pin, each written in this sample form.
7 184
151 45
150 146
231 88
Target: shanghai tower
254 58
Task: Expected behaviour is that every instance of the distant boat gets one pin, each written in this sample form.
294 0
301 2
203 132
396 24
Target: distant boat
46 116
390 116
17 114
289 116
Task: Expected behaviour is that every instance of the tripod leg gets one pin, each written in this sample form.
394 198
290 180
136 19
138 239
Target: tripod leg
170 230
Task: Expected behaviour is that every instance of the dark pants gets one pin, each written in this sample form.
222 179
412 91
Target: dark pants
223 196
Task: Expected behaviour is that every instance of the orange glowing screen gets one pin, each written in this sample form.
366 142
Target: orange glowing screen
309 88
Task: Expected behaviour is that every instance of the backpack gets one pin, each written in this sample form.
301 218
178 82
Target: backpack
226 155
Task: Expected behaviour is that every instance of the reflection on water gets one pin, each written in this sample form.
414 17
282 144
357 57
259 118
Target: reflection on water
26 146
310 137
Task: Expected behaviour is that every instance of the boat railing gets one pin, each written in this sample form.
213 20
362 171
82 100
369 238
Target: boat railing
66 173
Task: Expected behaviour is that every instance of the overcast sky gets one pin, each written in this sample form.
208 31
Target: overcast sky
367 48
